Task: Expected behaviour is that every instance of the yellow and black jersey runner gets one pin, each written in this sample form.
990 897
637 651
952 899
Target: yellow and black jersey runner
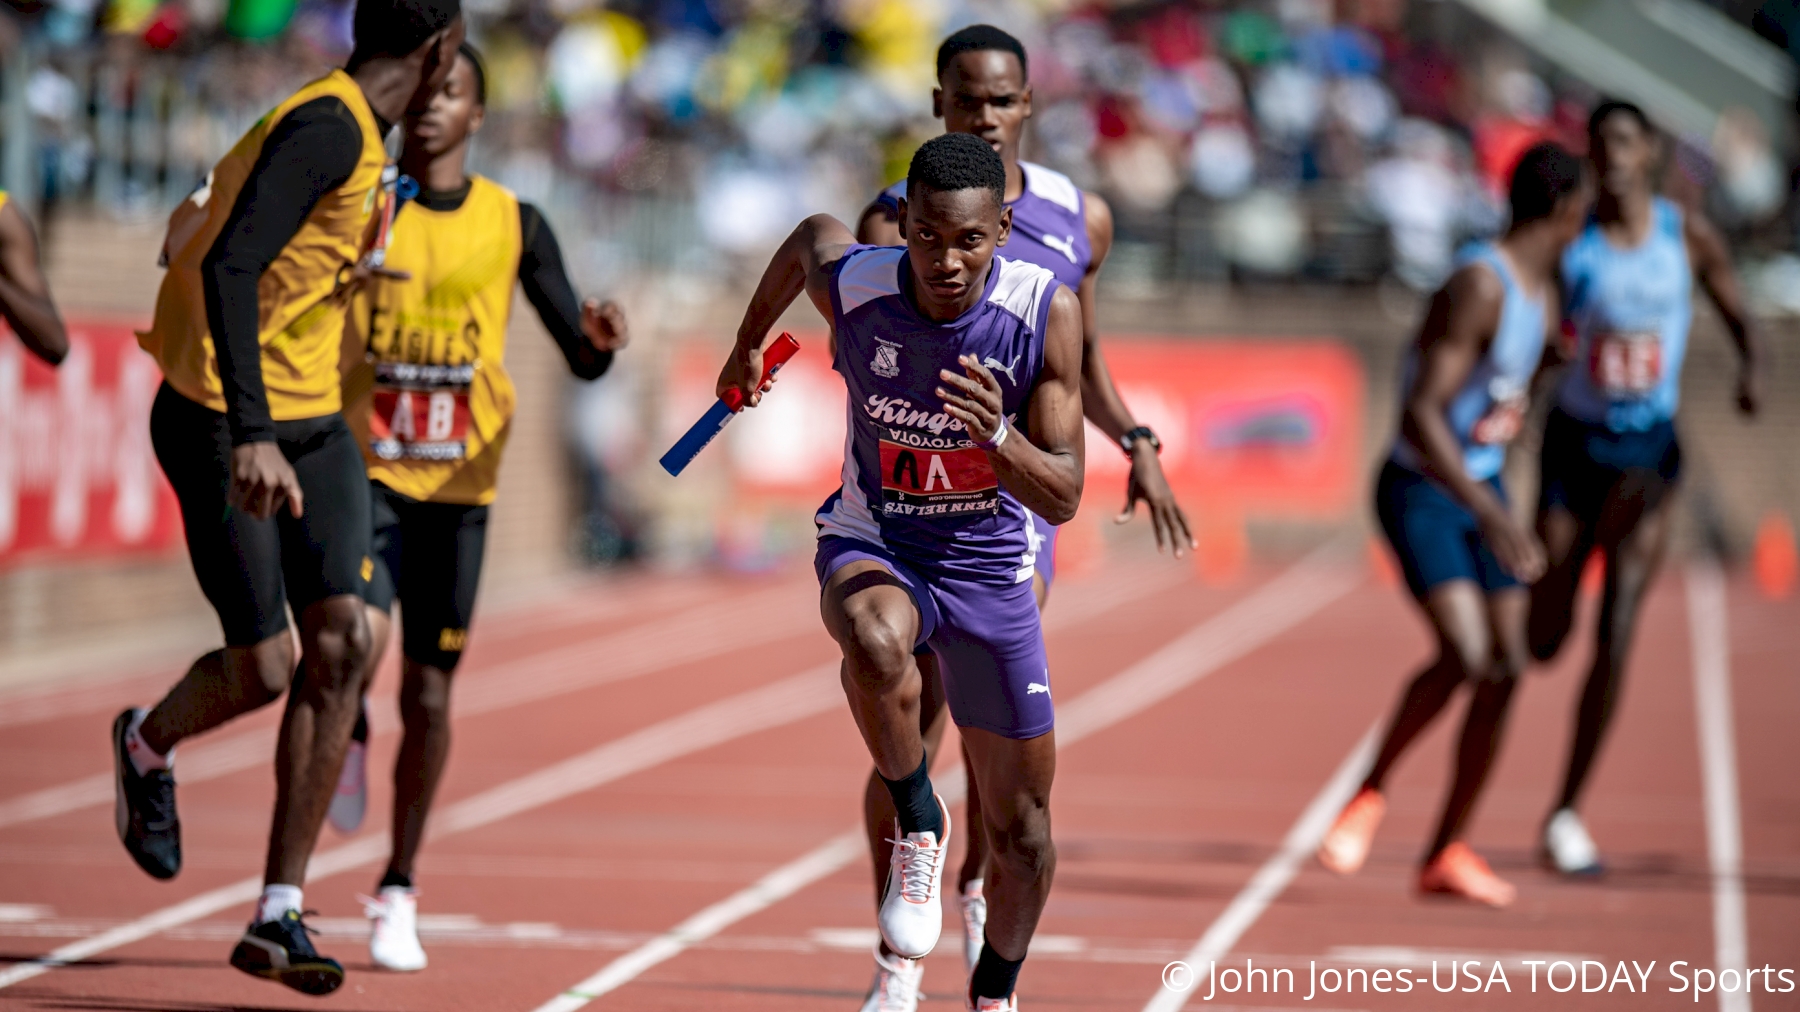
426 389
300 321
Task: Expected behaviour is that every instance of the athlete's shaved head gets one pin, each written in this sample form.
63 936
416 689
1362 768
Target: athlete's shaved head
982 89
953 217
398 27
956 162
1546 175
979 39
1606 110
1624 148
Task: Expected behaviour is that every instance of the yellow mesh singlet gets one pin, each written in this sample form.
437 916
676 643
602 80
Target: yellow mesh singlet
300 313
425 384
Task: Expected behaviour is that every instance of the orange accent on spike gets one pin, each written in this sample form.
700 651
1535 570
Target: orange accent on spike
1773 558
1593 574
1382 566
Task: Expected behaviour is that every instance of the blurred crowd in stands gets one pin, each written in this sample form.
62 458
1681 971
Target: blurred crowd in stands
1341 141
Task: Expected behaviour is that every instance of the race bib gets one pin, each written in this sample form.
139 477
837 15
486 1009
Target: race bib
420 412
930 482
1502 421
1625 364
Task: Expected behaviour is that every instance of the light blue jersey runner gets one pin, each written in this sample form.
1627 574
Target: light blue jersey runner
1488 411
1631 309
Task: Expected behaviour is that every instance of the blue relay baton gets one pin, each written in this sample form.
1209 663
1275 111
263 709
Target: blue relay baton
725 409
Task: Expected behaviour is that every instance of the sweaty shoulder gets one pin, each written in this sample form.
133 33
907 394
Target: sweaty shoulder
867 273
1024 290
1051 185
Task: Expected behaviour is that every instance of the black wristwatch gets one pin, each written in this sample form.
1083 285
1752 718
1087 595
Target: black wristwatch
1141 432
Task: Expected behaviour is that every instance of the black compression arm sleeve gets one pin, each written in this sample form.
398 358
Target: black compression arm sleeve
312 151
547 286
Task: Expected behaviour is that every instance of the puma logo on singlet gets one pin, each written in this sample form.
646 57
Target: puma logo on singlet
1064 246
1033 688
994 364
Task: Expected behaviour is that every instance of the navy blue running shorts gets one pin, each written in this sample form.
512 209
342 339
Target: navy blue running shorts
1436 537
1582 462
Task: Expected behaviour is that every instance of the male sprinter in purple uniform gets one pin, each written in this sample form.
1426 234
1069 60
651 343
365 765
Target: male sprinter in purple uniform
984 90
929 539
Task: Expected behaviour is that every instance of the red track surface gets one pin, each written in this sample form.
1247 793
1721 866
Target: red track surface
1161 818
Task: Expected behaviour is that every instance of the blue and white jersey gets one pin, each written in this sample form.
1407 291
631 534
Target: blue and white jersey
913 481
1489 410
1049 225
1631 309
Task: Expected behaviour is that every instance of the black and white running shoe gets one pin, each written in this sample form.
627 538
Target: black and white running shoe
144 809
281 951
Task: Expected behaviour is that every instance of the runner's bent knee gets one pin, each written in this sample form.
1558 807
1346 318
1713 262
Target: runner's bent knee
338 629
878 644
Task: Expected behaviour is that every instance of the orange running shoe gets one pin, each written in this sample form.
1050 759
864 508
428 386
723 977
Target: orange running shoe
1459 871
1346 843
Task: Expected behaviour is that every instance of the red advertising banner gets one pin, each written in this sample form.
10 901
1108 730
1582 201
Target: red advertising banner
1249 427
77 475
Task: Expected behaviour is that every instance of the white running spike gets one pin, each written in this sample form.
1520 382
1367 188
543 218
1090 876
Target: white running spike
351 799
896 984
974 918
912 908
1568 846
394 937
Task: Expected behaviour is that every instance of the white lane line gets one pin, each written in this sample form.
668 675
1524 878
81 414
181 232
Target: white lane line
614 657
784 702
1275 874
1709 633
781 703
1277 606
772 888
109 693
724 627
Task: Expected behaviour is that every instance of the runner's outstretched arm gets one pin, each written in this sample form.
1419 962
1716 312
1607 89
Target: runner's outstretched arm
1462 318
1043 470
587 332
24 294
1712 264
1101 403
803 263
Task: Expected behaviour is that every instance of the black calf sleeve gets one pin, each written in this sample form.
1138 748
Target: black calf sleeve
916 802
995 976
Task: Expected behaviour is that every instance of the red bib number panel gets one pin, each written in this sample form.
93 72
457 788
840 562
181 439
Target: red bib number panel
918 481
1501 423
420 412
1625 364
